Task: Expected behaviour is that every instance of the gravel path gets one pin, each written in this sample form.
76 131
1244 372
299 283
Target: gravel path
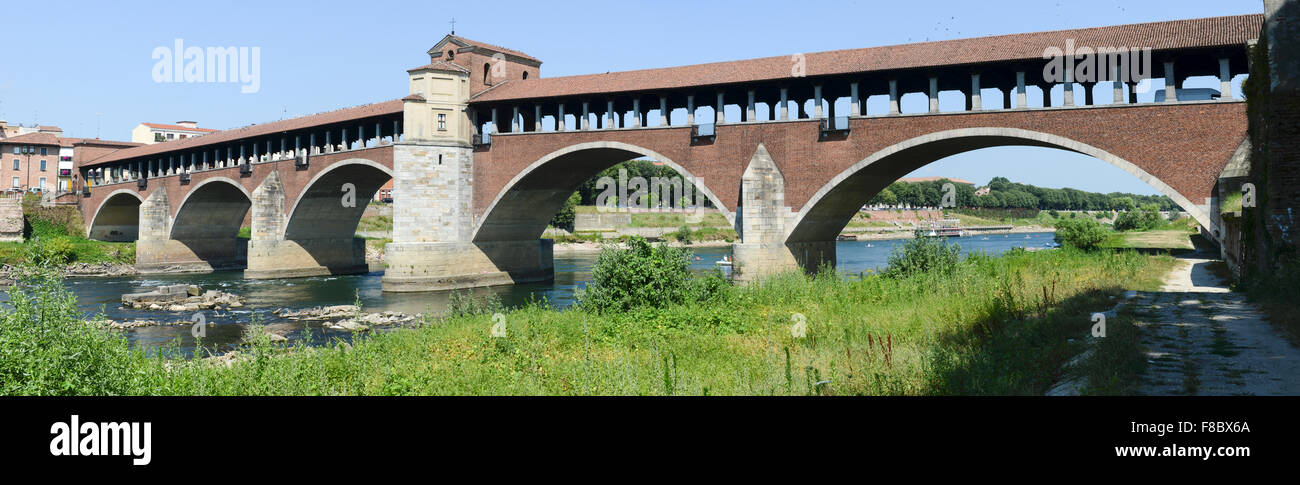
1203 339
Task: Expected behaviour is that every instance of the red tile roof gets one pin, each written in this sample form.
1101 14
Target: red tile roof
450 66
163 126
39 138
226 136
1177 34
485 45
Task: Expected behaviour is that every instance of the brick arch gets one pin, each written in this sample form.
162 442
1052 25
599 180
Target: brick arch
831 207
318 212
121 215
213 208
525 205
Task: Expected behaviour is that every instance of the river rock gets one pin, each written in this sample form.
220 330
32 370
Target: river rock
181 298
322 313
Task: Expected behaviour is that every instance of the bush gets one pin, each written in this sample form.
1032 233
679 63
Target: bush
639 275
923 254
682 235
47 349
46 252
1080 233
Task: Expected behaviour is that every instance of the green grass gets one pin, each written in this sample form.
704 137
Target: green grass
61 226
994 326
1158 239
665 219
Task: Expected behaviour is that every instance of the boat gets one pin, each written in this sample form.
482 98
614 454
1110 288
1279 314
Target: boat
725 261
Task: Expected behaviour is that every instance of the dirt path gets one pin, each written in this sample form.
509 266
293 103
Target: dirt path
1203 339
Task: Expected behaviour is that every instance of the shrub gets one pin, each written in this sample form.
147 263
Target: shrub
46 348
52 251
923 254
682 235
1080 233
639 274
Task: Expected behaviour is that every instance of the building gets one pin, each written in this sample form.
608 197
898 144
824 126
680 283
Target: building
8 130
43 161
30 161
150 133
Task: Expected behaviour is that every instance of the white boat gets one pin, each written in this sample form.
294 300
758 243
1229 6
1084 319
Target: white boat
725 261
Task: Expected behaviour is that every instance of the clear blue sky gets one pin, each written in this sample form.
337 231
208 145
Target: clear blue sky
83 65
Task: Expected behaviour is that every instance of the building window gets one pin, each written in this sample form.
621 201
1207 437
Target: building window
42 165
42 183
43 152
16 164
16 150
15 182
159 137
442 121
525 75
171 136
487 71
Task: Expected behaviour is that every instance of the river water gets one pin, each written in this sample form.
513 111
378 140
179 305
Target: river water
572 271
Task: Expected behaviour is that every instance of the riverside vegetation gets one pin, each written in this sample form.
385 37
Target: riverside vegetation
979 325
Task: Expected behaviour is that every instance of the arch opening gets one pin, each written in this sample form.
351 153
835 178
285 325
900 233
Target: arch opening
207 223
118 218
525 206
834 205
331 205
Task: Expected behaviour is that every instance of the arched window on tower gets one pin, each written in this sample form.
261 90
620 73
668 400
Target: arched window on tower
525 74
487 73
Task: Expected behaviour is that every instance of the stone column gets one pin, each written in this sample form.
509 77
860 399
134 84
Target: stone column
586 123
1225 79
785 104
893 97
559 118
690 109
514 119
1171 83
1069 88
974 102
494 125
1117 88
934 95
1022 96
610 121
855 109
663 111
636 112
817 101
750 110
537 118
721 118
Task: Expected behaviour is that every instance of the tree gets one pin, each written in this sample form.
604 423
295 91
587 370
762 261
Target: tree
1082 233
564 218
884 197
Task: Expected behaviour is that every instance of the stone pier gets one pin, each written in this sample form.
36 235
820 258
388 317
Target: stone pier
273 255
763 217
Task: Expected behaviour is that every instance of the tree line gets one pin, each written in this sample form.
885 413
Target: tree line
1005 194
